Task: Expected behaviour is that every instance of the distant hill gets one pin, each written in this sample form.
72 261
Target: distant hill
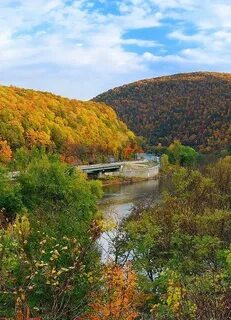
77 130
194 108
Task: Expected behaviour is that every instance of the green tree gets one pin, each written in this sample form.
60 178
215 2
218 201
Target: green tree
10 195
49 257
182 155
164 163
180 246
54 187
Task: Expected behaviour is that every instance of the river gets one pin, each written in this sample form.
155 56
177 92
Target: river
118 202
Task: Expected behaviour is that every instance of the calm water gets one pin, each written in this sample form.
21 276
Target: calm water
118 202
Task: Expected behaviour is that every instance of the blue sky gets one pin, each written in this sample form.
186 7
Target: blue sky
80 48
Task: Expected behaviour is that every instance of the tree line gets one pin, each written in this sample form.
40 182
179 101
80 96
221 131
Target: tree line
194 108
79 131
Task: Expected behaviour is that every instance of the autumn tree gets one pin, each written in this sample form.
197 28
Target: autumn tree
5 152
76 130
221 174
193 108
117 297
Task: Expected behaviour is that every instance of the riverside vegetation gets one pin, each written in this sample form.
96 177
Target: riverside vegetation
172 260
180 247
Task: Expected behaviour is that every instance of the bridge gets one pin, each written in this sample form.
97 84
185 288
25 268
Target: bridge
106 167
139 168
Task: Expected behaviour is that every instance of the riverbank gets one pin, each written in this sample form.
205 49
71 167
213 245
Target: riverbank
121 180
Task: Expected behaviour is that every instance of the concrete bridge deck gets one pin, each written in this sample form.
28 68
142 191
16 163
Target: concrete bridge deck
102 167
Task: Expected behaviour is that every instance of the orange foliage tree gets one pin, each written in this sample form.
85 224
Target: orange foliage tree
5 151
117 298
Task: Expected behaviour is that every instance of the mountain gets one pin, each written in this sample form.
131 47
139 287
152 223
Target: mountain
194 108
75 129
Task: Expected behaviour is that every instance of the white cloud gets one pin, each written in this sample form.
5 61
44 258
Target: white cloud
50 35
80 49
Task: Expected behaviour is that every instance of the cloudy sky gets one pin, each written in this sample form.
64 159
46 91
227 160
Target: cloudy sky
80 48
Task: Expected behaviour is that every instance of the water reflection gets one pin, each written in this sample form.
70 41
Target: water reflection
118 202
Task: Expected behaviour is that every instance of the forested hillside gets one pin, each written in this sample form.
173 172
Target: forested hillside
194 108
77 130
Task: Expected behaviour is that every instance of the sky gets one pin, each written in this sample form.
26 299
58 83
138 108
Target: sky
80 48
